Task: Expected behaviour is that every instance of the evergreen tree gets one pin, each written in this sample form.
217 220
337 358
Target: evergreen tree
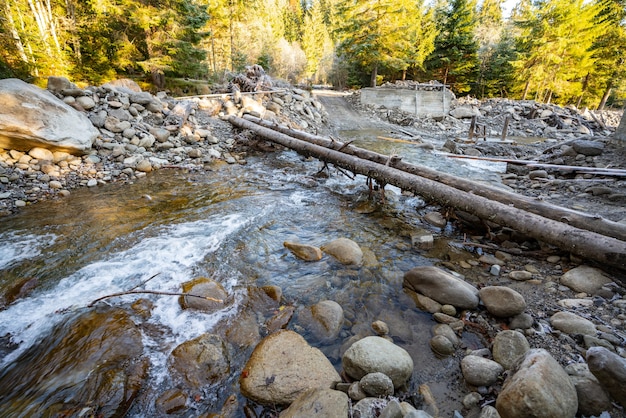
609 51
554 48
488 33
454 60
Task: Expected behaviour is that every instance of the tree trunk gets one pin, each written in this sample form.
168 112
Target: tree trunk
374 75
578 219
605 96
606 250
17 41
526 89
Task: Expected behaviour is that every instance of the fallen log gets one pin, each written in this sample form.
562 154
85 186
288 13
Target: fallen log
586 244
572 217
617 172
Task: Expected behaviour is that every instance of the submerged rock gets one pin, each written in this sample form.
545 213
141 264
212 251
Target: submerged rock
344 250
324 320
201 361
303 251
91 359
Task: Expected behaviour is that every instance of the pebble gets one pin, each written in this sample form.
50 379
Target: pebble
480 371
377 384
441 346
520 275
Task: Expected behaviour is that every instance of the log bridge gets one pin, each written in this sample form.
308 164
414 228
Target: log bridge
587 236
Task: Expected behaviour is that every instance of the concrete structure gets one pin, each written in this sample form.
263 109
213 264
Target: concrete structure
620 133
432 100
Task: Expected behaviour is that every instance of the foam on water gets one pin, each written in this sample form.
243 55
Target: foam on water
171 255
15 247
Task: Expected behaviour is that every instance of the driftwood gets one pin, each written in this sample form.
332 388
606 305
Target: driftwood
586 244
575 218
615 172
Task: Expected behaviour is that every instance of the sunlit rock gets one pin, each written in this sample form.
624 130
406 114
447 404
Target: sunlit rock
344 250
33 117
282 367
203 294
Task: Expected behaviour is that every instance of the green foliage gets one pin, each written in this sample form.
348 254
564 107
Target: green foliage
568 51
382 34
454 60
554 48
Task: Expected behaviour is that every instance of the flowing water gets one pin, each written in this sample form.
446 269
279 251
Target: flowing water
230 225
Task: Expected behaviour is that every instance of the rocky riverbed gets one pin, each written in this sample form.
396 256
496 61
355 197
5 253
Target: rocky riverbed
534 331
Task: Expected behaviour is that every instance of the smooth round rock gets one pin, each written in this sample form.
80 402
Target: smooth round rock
610 370
344 250
508 347
376 354
441 286
441 346
521 275
585 279
572 324
377 384
592 398
480 371
324 320
203 286
201 361
282 366
303 251
502 301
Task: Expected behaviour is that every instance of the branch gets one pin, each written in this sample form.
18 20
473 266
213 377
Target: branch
152 292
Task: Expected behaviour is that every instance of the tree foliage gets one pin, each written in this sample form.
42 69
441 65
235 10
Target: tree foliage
454 60
567 51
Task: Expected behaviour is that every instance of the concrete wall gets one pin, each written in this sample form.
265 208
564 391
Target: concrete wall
434 103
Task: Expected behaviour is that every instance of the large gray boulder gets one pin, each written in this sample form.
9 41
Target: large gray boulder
539 388
32 117
283 366
441 286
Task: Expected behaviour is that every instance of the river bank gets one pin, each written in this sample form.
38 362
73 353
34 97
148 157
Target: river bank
514 294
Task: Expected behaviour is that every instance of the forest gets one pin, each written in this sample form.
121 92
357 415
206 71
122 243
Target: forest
569 52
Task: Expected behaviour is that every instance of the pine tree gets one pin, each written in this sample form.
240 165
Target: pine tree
454 60
554 47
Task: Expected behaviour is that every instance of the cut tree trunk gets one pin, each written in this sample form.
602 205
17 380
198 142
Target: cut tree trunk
586 244
578 219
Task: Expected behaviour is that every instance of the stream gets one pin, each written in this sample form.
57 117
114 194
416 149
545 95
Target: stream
229 225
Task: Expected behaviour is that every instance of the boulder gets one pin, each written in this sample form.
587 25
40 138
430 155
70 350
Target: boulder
283 366
33 117
592 398
94 358
610 370
344 250
204 287
480 371
502 301
321 403
508 347
463 112
376 354
442 287
324 320
376 384
585 279
201 361
539 387
572 324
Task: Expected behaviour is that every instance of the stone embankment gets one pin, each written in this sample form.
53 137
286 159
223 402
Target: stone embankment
126 133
